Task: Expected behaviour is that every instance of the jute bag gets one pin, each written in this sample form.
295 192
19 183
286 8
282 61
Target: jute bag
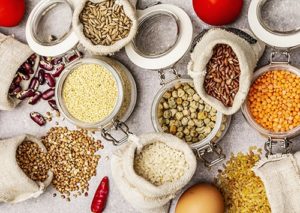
281 177
129 9
15 186
12 55
248 51
141 194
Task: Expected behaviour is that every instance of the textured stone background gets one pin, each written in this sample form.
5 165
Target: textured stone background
239 137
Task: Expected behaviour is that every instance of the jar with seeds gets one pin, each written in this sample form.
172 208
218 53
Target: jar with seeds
272 106
178 109
97 94
103 27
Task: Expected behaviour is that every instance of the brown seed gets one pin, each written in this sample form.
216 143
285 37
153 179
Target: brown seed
100 21
222 78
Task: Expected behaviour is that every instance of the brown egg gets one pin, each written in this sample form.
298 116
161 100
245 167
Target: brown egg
201 198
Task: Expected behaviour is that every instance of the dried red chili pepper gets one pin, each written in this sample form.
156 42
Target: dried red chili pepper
100 197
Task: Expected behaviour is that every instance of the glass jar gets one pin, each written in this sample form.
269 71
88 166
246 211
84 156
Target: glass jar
125 103
282 40
274 138
210 143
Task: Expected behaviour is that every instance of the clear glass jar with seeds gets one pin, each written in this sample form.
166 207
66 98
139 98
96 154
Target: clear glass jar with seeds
97 94
120 99
177 109
276 136
278 81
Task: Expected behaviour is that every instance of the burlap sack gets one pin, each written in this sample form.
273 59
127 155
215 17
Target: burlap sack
130 10
140 193
15 186
248 51
12 55
281 177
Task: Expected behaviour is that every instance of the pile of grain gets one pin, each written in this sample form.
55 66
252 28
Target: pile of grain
243 191
32 161
71 156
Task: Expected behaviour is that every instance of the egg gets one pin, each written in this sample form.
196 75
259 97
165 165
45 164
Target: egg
201 198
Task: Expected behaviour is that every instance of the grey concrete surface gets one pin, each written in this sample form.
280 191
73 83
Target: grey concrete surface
239 137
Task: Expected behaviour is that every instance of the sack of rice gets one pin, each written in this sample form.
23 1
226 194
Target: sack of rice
222 64
151 169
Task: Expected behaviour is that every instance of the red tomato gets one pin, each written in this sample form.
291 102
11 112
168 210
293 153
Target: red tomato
218 12
11 12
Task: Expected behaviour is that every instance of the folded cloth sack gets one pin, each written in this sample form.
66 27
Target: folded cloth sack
12 55
140 193
15 186
281 177
248 51
129 9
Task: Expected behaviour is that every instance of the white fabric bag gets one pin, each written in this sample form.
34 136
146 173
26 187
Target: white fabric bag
129 9
248 51
15 186
281 177
12 55
141 194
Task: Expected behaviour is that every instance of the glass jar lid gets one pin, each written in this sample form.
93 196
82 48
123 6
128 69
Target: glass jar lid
43 35
164 36
107 120
263 19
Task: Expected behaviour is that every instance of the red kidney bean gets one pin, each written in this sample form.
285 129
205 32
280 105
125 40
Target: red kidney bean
50 80
53 104
57 61
23 70
30 62
34 99
38 118
14 90
72 57
49 93
17 80
41 76
34 84
28 68
58 70
25 94
33 57
12 87
46 65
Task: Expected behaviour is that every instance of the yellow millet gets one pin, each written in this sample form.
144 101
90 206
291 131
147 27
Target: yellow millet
90 93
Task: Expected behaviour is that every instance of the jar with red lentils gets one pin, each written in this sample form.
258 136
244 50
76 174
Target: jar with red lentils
273 103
